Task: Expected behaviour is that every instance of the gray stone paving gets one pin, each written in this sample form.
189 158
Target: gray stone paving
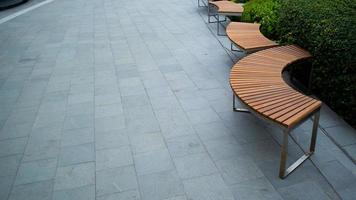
116 99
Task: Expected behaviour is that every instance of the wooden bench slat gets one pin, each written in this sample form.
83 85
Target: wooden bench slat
296 111
257 81
286 113
256 102
247 36
286 106
228 6
275 107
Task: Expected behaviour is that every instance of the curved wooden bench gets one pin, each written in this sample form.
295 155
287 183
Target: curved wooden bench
205 3
257 81
247 37
224 8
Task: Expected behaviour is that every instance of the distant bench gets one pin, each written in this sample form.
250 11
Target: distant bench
223 8
257 81
205 3
247 37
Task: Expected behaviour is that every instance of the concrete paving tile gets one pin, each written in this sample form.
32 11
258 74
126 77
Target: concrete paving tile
112 158
172 117
142 143
153 162
160 185
130 82
194 104
139 113
328 118
108 110
145 125
21 116
81 193
77 137
5 186
75 98
74 176
135 101
205 115
80 108
34 171
135 90
43 143
107 99
270 171
343 135
348 193
235 170
71 155
111 139
338 176
195 165
35 191
212 130
305 190
10 131
255 189
165 102
9 165
12 146
224 148
207 187
115 180
157 92
127 195
184 145
177 198
78 121
110 123
351 150
172 131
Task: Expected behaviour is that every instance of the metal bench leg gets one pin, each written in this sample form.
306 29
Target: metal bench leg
315 131
219 24
284 154
232 48
283 172
238 109
209 21
200 5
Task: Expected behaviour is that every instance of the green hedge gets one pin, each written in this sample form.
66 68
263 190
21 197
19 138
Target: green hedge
327 28
264 12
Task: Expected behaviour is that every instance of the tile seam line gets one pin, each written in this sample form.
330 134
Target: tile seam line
24 11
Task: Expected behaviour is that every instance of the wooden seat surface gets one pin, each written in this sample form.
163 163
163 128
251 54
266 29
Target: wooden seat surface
248 37
228 7
257 80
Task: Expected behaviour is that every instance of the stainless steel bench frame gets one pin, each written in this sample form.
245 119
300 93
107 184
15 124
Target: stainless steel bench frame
217 15
283 170
204 3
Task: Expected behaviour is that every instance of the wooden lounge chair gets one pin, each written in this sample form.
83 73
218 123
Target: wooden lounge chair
223 8
247 37
257 81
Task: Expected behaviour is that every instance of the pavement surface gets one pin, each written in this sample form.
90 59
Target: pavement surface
129 100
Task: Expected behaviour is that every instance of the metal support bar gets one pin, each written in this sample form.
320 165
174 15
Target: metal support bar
232 49
315 131
209 15
238 109
200 5
284 152
219 24
283 172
